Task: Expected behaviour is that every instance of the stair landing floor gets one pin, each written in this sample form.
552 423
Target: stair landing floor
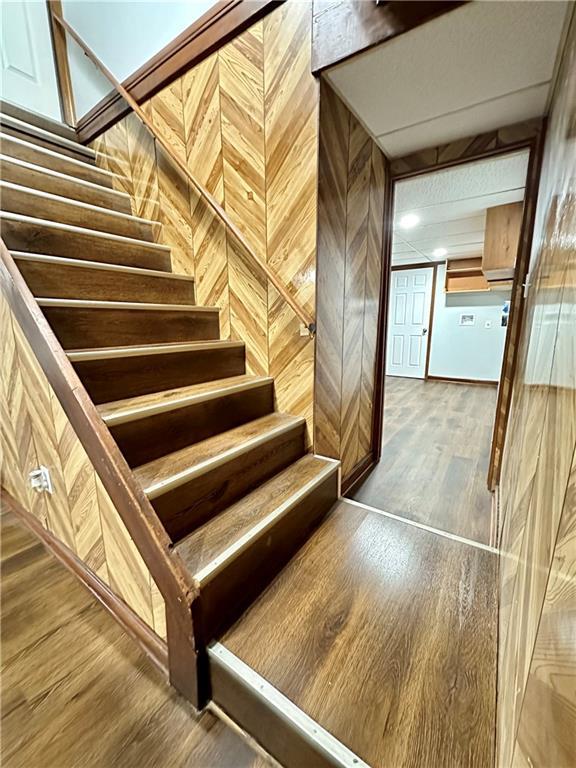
385 635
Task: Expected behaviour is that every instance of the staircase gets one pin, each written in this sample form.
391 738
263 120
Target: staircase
229 477
316 633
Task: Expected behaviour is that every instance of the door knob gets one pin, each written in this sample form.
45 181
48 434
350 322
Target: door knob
424 331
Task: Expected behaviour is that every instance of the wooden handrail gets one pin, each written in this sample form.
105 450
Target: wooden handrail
208 198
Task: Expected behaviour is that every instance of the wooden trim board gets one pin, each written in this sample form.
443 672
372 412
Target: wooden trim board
223 21
153 646
60 51
454 380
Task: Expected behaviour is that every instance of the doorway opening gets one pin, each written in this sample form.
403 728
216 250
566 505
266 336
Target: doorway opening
455 239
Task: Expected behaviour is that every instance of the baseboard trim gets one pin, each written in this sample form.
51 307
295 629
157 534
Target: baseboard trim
357 475
454 380
153 646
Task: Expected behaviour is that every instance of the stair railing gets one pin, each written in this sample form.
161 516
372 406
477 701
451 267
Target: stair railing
198 186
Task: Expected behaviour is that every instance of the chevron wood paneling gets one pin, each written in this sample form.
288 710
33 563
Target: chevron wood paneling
373 275
352 196
291 126
332 192
537 662
113 155
202 120
241 68
35 431
246 120
174 211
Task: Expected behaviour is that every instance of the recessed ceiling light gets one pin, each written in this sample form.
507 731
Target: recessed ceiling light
439 253
409 220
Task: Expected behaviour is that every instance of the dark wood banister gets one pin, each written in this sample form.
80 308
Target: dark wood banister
206 196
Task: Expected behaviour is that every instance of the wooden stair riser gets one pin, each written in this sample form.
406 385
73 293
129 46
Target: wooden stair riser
50 143
192 503
37 236
146 439
86 327
63 280
221 602
30 153
120 377
40 205
38 178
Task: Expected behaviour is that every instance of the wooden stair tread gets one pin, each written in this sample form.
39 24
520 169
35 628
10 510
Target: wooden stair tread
46 158
35 118
367 619
104 353
86 264
74 185
177 468
33 130
135 305
18 196
125 410
207 548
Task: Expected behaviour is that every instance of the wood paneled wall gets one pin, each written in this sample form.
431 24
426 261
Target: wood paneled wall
35 431
246 122
537 638
351 209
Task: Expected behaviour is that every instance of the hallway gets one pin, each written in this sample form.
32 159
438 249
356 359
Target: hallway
435 452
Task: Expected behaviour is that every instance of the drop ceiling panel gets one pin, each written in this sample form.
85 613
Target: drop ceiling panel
479 67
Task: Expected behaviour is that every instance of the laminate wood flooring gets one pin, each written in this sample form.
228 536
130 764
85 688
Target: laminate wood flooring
76 691
435 454
385 634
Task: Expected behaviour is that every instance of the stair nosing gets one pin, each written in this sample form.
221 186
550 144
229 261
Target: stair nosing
128 415
336 752
104 265
217 564
34 130
136 305
42 169
110 353
161 487
45 150
74 203
21 217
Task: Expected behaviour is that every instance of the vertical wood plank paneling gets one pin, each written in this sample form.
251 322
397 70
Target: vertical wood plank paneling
358 199
174 211
201 98
537 664
241 67
291 125
332 191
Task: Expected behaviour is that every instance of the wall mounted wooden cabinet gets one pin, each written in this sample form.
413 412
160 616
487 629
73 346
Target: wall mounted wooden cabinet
465 275
501 236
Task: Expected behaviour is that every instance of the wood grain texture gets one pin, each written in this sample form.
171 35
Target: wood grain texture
246 120
80 512
435 450
536 702
202 117
70 673
352 196
386 636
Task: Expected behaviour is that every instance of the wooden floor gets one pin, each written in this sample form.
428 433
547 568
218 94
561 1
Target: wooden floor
76 691
435 453
385 634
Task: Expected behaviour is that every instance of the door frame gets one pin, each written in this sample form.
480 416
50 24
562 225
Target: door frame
481 147
422 265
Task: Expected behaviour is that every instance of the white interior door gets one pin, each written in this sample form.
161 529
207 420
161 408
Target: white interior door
408 322
28 72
